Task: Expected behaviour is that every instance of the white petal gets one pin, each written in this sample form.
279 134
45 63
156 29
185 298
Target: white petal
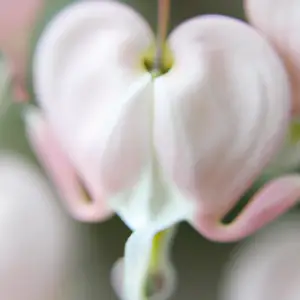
91 84
130 275
35 237
267 266
221 111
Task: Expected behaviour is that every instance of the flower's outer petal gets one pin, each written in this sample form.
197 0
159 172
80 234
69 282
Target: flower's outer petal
267 266
221 111
132 274
61 170
93 90
275 198
36 238
279 20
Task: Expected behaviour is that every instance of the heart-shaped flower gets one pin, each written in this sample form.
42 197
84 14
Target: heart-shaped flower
183 145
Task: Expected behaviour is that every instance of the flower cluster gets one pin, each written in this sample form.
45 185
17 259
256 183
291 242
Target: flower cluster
158 142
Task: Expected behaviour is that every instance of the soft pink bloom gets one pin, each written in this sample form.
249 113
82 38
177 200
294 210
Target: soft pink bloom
279 21
267 266
184 146
36 238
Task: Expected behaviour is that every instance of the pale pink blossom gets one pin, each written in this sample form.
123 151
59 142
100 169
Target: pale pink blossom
279 21
266 267
183 146
36 238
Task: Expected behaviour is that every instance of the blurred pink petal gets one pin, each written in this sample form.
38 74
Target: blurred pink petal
17 19
279 20
62 172
35 237
267 266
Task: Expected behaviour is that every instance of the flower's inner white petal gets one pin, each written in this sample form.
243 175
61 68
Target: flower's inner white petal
153 205
137 269
153 200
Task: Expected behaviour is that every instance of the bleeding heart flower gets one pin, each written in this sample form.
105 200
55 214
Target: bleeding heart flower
267 266
157 150
35 237
279 20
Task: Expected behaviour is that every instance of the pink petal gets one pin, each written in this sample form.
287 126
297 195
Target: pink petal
92 87
63 173
36 238
17 19
273 200
266 267
221 111
279 20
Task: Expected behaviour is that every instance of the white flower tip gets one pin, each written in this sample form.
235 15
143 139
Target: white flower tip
159 286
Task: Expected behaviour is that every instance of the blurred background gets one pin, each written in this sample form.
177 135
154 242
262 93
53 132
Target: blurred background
199 262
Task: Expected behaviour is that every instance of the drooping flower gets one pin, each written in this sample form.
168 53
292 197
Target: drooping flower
36 239
180 144
267 266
